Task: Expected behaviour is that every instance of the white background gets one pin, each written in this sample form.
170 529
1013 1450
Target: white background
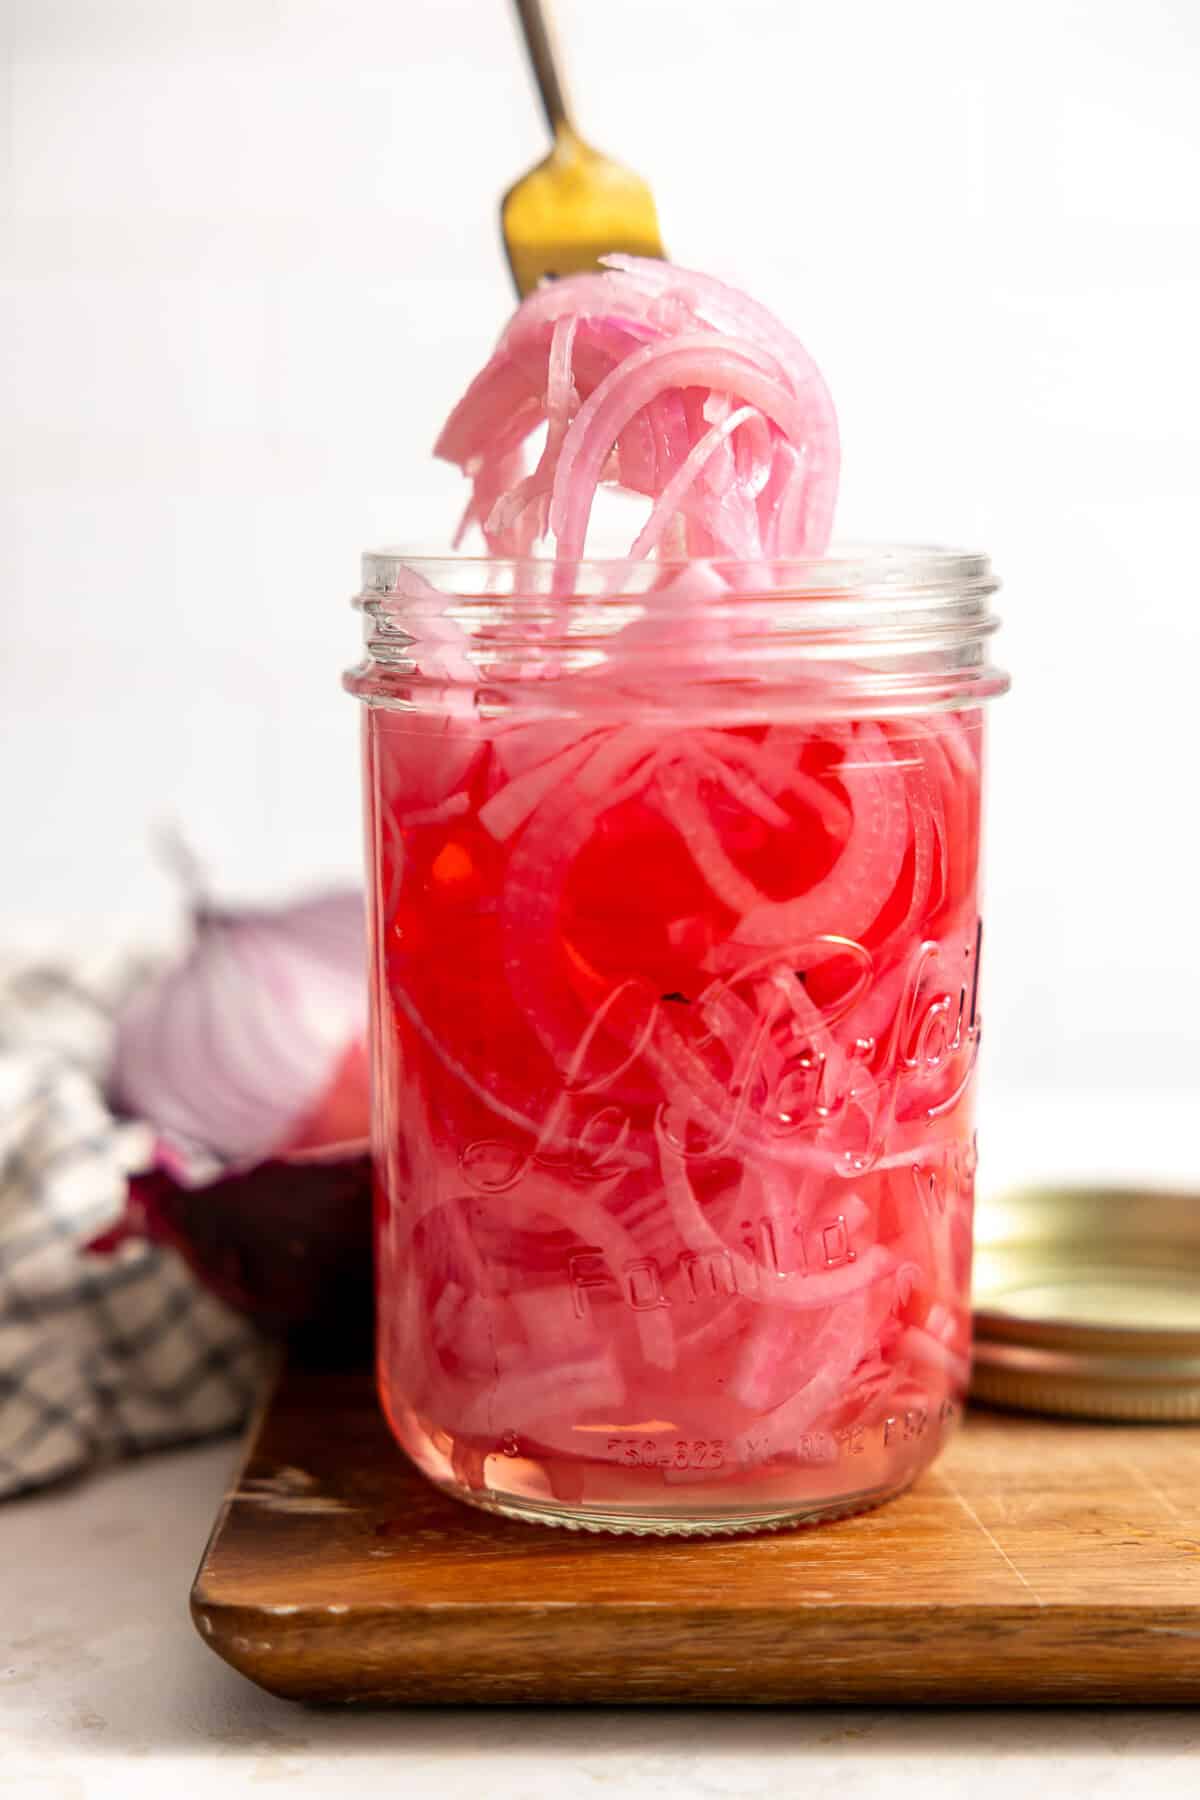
250 254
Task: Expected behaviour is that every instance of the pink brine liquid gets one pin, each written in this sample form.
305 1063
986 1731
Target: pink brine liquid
675 1040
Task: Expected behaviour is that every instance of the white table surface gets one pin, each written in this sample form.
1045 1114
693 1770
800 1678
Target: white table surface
107 1693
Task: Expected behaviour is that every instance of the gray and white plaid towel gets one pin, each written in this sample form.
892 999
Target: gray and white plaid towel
99 1356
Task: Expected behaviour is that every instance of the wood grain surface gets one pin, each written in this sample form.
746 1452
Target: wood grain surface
1039 1560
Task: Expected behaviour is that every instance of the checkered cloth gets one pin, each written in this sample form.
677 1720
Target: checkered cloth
99 1356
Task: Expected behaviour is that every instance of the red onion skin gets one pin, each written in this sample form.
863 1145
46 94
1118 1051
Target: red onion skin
286 1243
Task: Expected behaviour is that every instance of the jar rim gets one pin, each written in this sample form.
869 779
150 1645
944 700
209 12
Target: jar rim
919 572
901 626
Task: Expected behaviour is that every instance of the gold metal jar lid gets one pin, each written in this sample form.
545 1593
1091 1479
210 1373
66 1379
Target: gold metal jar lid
1087 1303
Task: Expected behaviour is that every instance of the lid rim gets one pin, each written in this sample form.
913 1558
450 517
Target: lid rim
1067 1400
993 1326
1017 1358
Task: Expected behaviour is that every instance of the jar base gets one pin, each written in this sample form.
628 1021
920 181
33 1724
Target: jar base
626 1522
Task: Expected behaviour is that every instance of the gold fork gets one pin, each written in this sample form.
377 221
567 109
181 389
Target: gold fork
577 205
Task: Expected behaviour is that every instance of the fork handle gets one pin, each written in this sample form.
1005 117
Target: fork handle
535 27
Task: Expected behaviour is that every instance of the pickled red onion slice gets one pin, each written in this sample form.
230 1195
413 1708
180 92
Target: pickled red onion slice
666 383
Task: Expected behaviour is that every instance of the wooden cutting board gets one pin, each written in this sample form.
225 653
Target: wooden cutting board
1037 1561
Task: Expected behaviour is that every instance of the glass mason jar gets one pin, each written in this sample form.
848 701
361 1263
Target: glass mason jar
675 950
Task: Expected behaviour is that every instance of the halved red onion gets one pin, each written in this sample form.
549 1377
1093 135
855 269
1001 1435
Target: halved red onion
248 1059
